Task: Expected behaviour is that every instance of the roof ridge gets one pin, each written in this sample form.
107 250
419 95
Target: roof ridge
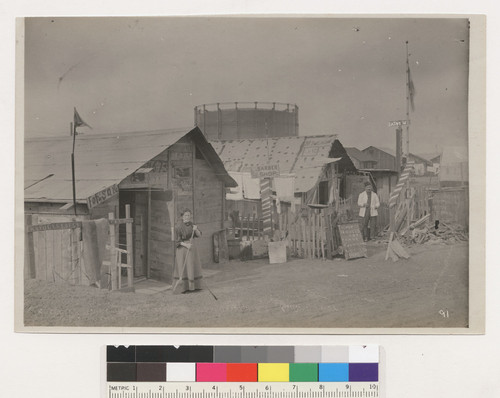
108 135
334 136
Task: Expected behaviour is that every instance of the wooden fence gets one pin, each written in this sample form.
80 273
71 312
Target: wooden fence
247 227
311 233
54 252
411 206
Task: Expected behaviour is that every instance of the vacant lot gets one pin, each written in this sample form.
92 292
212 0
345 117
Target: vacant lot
428 290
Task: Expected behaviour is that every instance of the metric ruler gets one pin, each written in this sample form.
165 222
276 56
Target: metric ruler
242 371
243 390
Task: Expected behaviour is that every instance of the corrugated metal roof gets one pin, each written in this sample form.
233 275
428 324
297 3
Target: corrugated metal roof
392 152
389 151
294 155
100 161
358 154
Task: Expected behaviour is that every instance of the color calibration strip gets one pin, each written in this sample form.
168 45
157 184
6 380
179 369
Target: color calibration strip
225 364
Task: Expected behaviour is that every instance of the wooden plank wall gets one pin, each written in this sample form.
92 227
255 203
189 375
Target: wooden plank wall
55 254
208 197
102 210
140 235
54 209
58 256
451 205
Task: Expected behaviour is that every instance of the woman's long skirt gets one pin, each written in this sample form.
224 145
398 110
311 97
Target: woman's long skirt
187 269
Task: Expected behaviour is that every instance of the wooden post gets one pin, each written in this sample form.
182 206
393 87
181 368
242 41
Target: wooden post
253 227
74 235
49 255
267 203
318 232
322 232
392 228
248 227
295 226
308 235
304 236
313 230
279 222
29 250
223 218
193 179
130 250
293 229
296 231
304 245
59 268
148 255
408 203
112 251
66 254
320 240
241 226
312 226
321 248
141 243
328 235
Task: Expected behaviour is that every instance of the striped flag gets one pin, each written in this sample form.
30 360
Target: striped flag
411 90
266 200
393 200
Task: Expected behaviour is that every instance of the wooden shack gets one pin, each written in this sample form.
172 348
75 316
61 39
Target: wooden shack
157 173
385 158
317 166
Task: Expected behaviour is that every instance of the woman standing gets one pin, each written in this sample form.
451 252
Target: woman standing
187 272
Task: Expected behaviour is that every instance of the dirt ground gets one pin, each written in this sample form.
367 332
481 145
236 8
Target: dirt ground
428 290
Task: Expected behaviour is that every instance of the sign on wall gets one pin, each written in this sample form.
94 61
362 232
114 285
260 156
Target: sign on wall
102 196
265 171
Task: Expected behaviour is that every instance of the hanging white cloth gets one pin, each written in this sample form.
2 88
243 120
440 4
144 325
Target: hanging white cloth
251 187
285 187
236 193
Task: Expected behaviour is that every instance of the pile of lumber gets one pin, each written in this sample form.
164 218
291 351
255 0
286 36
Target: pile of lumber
424 232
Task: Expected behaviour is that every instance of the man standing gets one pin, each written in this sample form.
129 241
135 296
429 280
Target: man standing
368 203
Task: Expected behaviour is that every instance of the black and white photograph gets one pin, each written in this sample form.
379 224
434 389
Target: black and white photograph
251 173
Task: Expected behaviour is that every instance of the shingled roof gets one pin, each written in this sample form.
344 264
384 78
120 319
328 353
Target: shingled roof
302 156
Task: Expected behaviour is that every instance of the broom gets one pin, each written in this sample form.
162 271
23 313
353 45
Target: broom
183 269
183 265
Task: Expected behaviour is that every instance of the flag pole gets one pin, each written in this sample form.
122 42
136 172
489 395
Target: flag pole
73 130
407 103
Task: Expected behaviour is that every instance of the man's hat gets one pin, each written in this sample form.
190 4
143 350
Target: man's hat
368 184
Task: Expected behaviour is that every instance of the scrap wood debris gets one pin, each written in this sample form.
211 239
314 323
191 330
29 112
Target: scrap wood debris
440 232
424 232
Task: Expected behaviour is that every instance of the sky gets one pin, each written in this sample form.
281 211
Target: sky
346 75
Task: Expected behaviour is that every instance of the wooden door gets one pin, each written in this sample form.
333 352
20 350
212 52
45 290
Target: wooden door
140 215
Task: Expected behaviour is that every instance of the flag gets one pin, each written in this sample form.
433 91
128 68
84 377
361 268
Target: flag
411 90
78 120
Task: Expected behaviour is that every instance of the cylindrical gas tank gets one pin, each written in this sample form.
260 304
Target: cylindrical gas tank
233 120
